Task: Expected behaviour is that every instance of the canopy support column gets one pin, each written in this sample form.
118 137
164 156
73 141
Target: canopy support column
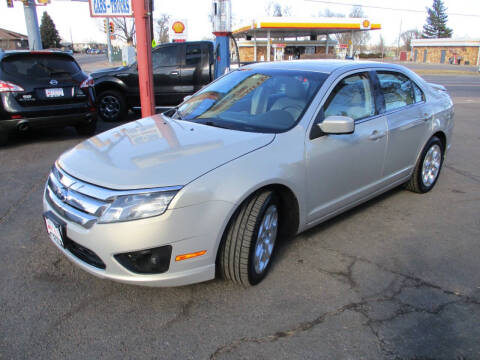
254 46
268 45
326 45
351 46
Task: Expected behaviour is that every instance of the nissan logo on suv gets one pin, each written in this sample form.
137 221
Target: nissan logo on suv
53 82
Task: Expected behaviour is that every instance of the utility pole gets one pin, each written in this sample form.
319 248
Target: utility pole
399 36
33 31
109 42
143 17
71 37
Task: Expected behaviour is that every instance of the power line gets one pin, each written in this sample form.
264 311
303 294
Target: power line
385 8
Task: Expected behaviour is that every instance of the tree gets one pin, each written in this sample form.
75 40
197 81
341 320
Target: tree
124 29
162 28
276 10
436 23
48 32
359 38
329 13
407 37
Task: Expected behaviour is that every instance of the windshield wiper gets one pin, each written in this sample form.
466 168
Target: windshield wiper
212 123
176 115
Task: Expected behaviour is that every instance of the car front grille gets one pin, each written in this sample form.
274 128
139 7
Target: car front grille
81 202
76 200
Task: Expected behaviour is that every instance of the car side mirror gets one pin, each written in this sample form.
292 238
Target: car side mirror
337 125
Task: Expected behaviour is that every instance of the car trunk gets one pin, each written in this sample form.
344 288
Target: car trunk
48 79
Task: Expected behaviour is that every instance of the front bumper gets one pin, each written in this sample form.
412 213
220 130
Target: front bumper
188 229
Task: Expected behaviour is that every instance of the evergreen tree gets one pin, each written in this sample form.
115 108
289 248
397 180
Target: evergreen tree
436 25
48 32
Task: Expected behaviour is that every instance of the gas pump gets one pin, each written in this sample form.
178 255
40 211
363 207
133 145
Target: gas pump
222 29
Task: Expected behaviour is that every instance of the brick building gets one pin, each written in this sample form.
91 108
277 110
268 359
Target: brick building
11 40
445 51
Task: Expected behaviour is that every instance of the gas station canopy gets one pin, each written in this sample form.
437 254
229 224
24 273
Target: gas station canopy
283 27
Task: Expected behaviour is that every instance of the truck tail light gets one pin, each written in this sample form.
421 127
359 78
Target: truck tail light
6 86
88 82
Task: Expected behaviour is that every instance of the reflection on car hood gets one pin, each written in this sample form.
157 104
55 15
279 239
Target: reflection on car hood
157 151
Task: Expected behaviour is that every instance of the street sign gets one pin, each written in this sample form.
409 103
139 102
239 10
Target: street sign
110 8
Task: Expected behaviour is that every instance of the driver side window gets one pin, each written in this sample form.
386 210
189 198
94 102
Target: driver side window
351 97
165 56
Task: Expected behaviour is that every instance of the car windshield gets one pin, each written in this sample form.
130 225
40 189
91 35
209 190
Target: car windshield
39 66
253 100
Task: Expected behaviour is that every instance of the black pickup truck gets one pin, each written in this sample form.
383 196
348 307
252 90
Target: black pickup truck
179 70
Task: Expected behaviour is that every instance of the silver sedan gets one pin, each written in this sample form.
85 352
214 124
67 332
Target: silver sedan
263 153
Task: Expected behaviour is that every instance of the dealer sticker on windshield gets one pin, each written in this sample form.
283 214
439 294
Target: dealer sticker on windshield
54 232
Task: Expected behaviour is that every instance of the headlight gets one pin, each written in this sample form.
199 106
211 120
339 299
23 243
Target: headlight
137 206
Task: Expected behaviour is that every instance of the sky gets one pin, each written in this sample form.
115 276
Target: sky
73 20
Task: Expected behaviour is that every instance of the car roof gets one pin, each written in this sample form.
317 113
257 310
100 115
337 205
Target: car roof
33 52
324 66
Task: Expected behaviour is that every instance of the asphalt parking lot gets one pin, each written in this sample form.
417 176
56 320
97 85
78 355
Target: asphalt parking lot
396 278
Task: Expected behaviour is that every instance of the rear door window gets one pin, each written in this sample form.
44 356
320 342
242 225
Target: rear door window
398 90
193 55
39 66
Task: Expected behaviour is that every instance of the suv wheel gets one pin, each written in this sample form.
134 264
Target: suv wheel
111 105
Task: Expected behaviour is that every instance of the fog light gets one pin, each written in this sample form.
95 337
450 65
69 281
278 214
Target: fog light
150 261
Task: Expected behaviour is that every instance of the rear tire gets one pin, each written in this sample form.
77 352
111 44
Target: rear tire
427 170
112 106
249 244
87 129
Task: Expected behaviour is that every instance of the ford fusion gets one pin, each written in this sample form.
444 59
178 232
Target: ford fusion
261 154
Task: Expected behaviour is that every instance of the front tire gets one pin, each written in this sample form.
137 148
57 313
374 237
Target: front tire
247 250
427 169
112 106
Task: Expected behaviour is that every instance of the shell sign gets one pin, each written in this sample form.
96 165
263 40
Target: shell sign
365 24
178 27
178 30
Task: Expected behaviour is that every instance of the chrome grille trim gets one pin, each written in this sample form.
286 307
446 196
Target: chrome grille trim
81 202
77 200
69 212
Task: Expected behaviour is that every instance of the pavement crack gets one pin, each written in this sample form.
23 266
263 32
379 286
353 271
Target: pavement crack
344 276
299 328
409 280
464 173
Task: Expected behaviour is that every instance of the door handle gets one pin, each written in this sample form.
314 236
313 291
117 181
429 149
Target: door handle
375 135
427 116
174 73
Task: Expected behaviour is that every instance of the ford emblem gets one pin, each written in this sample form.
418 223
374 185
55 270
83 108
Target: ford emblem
53 82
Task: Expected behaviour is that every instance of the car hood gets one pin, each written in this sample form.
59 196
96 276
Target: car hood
108 71
157 151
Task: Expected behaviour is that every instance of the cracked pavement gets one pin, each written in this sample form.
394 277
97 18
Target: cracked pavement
396 278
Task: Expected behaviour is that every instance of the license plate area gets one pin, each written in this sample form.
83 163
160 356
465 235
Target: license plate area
55 230
54 93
